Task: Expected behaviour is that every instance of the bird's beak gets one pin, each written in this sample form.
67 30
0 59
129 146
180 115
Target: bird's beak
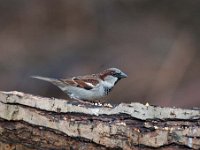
123 75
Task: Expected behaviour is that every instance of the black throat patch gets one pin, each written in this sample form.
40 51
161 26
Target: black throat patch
107 90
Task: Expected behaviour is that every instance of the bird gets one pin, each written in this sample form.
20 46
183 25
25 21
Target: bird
89 87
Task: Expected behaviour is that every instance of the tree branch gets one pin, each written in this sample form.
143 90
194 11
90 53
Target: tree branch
49 123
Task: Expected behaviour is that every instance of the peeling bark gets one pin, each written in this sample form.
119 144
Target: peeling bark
48 123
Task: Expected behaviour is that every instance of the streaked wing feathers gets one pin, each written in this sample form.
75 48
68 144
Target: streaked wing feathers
86 82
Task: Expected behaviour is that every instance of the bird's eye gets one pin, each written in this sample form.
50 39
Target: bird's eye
115 74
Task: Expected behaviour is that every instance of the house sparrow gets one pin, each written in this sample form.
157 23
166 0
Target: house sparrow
89 87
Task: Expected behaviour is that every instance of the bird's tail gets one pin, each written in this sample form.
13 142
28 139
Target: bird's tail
54 81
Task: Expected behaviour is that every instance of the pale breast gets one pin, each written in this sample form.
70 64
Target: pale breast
83 94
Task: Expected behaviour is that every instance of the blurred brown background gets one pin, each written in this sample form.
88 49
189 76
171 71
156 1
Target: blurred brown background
155 42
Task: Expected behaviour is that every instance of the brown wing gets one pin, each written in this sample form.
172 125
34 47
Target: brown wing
82 82
69 82
91 81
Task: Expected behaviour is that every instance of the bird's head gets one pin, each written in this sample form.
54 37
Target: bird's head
112 75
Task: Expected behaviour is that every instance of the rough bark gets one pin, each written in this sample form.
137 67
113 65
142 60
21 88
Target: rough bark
49 123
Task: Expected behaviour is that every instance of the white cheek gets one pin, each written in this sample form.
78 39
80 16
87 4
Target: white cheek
109 81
